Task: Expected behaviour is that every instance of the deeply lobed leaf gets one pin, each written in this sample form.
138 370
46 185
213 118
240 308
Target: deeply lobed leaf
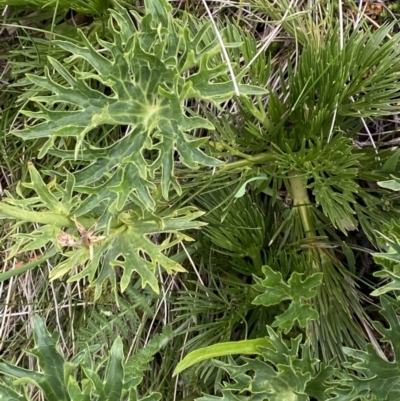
275 290
148 72
58 380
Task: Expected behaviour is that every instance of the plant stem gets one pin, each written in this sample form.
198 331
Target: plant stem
248 161
28 266
301 201
41 217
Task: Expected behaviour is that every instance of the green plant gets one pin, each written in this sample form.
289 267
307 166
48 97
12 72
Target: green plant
282 202
120 188
300 141
80 379
389 260
105 319
288 371
91 7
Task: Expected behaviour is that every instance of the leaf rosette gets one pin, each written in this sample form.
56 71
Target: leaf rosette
148 75
138 80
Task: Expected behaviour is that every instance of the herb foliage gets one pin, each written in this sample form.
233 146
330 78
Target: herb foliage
206 195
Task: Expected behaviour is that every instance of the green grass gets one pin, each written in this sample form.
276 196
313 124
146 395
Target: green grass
305 153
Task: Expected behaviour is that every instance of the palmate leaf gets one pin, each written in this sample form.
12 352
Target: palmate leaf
131 247
275 290
146 72
377 377
283 373
134 241
148 69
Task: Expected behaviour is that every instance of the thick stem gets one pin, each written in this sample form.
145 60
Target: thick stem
301 201
58 220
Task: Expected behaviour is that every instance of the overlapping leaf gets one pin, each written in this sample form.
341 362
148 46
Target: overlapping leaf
281 374
149 67
58 379
377 377
132 248
290 373
51 380
148 73
134 241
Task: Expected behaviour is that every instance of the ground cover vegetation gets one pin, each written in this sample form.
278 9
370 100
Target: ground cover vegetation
199 200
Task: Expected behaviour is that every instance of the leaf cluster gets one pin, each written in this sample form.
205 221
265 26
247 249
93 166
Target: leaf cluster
79 379
126 177
90 7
